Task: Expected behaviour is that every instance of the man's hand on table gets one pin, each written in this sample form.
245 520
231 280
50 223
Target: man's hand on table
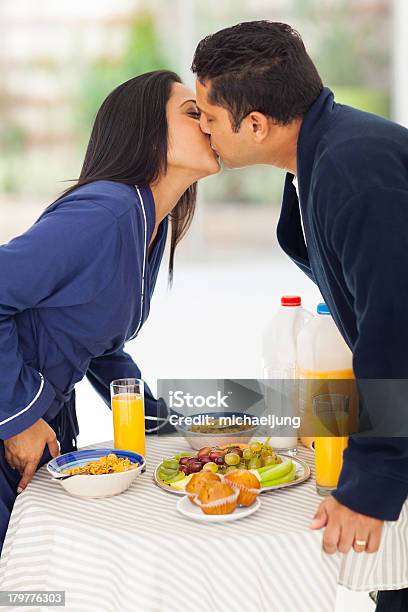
24 450
346 529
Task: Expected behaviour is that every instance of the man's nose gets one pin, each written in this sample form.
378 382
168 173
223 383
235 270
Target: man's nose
204 125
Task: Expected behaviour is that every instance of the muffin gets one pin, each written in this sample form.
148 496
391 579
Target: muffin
246 483
194 485
217 498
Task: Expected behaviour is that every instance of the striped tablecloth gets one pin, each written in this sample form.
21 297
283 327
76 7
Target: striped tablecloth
136 553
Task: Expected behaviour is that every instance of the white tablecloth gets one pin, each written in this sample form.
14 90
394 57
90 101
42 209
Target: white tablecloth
135 552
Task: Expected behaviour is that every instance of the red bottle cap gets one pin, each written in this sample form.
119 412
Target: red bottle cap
291 300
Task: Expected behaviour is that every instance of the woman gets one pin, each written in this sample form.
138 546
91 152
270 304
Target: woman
77 285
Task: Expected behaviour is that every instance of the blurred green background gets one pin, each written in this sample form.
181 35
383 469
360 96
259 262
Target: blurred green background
71 55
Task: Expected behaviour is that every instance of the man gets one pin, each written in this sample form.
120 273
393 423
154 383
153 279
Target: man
262 102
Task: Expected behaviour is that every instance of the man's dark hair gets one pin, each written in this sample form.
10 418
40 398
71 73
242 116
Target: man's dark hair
258 66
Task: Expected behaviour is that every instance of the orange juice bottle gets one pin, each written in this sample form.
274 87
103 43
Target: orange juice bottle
324 367
129 422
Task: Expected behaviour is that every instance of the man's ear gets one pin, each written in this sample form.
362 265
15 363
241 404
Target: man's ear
258 125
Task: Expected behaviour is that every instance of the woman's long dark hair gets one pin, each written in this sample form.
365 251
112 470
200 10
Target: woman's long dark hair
128 144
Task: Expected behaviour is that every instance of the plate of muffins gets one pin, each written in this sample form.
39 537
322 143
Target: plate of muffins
218 498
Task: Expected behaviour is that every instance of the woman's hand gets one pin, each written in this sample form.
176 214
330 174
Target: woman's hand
24 450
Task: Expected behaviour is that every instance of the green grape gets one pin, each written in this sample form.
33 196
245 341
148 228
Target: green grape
269 460
266 443
210 467
255 447
230 468
232 459
242 466
247 454
254 464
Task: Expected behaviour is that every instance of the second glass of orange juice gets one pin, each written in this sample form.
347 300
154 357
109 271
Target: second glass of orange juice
127 398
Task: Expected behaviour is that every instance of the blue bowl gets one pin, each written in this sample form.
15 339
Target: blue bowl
79 458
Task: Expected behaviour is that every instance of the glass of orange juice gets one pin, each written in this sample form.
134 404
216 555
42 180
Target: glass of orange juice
127 399
332 411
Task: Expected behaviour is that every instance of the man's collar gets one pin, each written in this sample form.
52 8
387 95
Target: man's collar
314 126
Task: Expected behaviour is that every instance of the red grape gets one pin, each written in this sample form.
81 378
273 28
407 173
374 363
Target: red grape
215 454
184 460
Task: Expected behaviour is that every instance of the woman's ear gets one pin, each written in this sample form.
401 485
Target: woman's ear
258 125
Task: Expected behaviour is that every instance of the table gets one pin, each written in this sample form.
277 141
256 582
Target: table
135 552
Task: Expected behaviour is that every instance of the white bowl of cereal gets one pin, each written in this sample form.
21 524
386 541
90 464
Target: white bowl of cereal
95 473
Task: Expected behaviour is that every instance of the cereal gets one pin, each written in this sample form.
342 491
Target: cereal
104 465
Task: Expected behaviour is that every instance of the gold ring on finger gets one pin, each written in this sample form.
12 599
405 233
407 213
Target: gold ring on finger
361 542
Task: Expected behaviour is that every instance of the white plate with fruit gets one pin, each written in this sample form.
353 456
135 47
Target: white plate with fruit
273 470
